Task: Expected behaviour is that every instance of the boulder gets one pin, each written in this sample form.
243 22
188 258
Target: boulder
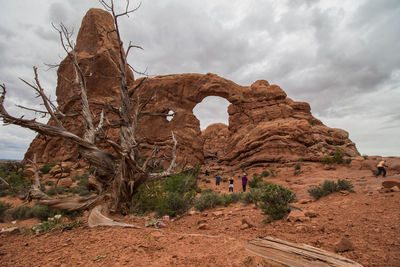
344 245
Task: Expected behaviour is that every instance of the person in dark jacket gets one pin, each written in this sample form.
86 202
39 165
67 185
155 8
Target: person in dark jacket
244 181
217 179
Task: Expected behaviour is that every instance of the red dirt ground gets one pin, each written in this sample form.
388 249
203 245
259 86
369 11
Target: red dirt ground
368 218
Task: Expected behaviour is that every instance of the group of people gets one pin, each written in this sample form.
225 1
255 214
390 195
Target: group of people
381 170
231 181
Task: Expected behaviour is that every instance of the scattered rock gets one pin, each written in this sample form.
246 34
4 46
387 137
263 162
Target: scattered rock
245 221
390 184
310 213
297 216
66 182
395 189
201 221
156 234
203 226
217 214
244 226
29 172
305 201
344 245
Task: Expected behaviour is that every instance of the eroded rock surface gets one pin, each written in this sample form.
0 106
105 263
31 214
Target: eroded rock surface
264 124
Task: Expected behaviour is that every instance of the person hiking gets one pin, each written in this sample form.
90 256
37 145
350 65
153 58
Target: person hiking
217 179
244 181
231 184
381 169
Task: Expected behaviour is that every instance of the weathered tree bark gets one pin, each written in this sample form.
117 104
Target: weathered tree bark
296 255
116 183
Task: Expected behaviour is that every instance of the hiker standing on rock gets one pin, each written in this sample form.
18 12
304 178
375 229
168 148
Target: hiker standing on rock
231 184
217 179
244 181
381 169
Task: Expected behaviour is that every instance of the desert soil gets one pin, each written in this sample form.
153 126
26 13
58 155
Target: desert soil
368 218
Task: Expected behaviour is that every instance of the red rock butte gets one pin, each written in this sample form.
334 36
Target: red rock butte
265 126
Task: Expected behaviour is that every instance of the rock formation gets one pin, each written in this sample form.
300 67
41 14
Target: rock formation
264 124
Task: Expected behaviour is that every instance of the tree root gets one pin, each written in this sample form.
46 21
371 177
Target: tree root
96 218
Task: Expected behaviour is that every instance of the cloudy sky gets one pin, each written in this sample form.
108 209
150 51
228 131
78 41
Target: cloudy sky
342 57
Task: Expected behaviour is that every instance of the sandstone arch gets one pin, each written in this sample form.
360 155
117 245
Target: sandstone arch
264 124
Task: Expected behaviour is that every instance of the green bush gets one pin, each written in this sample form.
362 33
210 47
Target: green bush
172 196
21 213
83 180
174 204
51 191
3 207
208 200
272 172
49 183
224 180
265 174
365 156
255 182
327 160
275 199
297 170
41 212
228 199
345 185
329 187
338 156
348 161
47 167
251 196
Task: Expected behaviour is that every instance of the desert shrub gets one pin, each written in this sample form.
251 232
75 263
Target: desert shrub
172 196
51 191
365 156
345 185
3 207
224 180
265 173
251 196
274 200
41 212
49 183
329 187
14 178
84 193
228 199
337 156
208 200
255 182
174 203
21 213
326 160
83 180
297 170
47 167
348 161
272 172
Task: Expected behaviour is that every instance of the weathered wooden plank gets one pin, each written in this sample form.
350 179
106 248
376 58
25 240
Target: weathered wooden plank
296 255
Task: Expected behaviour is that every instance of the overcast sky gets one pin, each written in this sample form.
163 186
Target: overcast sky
342 57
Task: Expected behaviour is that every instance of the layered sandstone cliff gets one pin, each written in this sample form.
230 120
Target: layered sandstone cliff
264 124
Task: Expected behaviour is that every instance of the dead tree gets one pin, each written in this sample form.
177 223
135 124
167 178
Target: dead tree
115 183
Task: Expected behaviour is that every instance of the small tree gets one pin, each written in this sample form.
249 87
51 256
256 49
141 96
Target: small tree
115 183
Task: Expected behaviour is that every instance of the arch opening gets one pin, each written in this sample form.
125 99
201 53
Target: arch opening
212 109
